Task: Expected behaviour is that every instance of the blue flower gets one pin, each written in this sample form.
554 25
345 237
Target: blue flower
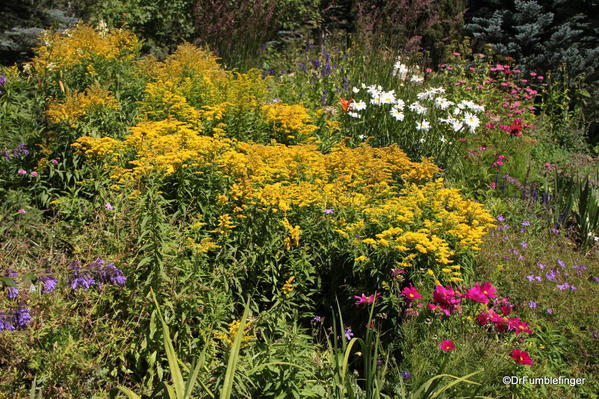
348 333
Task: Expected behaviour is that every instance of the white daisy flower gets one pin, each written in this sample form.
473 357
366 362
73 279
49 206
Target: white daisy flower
354 114
358 106
472 121
442 103
397 114
388 97
355 90
399 104
417 108
423 125
416 79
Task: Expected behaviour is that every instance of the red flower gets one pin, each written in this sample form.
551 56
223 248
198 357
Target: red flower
506 309
344 103
447 346
521 357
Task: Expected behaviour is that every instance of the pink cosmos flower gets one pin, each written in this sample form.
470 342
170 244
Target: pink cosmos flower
447 346
476 294
445 296
518 326
521 357
410 293
369 300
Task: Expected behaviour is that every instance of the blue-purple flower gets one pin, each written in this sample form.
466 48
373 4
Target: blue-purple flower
48 284
348 333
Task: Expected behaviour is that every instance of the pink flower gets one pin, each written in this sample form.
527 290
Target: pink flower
518 326
521 357
476 294
447 346
489 290
456 54
445 296
533 74
540 77
22 172
33 174
410 293
506 309
493 185
483 318
369 300
22 211
54 162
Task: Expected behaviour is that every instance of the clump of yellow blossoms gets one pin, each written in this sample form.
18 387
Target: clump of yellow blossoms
229 337
288 286
83 44
79 104
289 120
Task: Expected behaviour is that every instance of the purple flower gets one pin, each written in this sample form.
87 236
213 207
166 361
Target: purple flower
563 286
329 211
12 292
84 282
317 319
525 223
550 311
405 374
531 277
49 284
348 333
555 231
22 318
542 266
551 275
532 304
500 218
22 172
523 244
572 288
108 206
561 263
2 80
6 322
522 230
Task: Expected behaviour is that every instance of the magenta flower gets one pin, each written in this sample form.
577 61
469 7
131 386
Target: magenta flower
22 172
521 357
410 293
518 326
476 294
447 346
369 300
329 211
34 174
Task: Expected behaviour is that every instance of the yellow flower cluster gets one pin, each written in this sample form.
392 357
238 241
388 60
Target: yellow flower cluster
288 286
229 337
294 232
205 245
79 104
82 45
157 146
290 121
